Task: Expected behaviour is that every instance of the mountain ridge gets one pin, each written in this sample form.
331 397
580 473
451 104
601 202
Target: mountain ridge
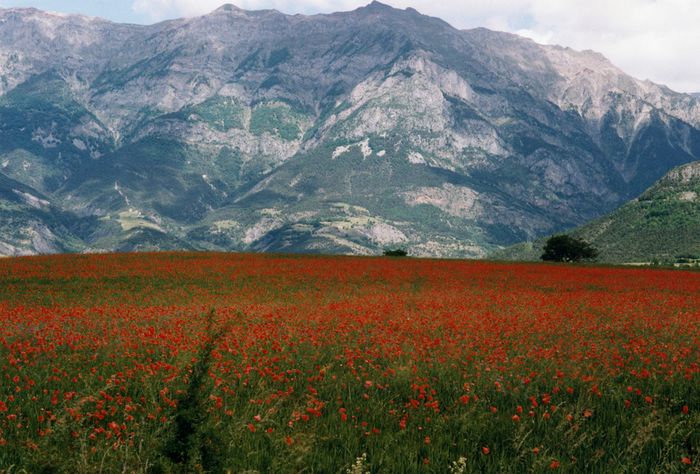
342 132
660 226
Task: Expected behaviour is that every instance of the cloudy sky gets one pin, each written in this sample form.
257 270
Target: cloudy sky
650 39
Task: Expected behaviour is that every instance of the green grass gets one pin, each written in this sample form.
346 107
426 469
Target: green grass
276 119
221 113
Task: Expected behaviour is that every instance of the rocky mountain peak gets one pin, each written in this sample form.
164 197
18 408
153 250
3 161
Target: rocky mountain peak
230 9
34 14
378 6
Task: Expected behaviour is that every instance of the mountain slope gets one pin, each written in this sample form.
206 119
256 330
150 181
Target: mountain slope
348 132
29 224
662 225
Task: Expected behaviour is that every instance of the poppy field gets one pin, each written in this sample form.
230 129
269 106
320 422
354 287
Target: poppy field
177 362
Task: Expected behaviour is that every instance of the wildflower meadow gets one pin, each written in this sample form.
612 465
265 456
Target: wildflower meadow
198 362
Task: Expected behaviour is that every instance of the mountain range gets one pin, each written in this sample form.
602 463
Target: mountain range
350 132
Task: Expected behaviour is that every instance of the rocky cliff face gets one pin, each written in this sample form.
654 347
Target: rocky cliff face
348 132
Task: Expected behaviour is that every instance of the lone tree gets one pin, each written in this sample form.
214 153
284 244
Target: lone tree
396 253
564 248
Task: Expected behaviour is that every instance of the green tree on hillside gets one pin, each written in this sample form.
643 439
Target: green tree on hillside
564 248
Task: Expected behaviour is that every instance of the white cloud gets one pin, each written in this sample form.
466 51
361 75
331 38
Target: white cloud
654 39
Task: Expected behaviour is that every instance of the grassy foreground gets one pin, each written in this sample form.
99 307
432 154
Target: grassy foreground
244 363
